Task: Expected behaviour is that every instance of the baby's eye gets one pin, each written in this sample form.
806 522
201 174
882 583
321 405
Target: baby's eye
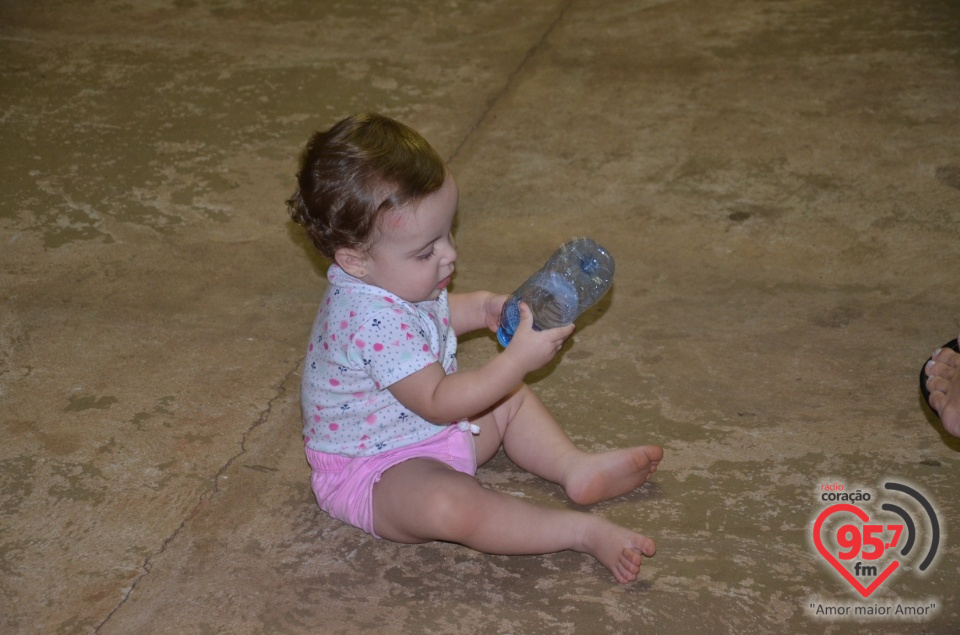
428 255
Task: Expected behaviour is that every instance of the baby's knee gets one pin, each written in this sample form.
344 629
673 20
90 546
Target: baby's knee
451 507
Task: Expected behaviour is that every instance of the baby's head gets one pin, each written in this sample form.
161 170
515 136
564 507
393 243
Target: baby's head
354 173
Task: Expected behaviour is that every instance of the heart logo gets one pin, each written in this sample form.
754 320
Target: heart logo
865 591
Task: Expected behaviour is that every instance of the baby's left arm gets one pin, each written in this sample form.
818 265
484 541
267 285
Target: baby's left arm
476 310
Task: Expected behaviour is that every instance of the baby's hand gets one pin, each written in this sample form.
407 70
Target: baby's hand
533 349
491 311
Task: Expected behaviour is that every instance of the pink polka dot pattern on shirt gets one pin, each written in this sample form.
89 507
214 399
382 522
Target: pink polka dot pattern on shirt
378 340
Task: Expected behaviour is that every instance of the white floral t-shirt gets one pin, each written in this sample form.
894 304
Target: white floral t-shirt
365 339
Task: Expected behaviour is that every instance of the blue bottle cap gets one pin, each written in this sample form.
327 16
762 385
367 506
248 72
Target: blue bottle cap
509 321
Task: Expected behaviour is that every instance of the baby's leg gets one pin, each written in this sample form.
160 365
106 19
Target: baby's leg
943 382
423 500
534 440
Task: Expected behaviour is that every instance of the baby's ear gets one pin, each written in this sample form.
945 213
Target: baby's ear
353 261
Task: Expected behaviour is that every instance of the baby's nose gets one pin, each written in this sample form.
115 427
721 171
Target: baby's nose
450 253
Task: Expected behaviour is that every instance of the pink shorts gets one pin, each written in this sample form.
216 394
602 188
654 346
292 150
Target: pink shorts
343 485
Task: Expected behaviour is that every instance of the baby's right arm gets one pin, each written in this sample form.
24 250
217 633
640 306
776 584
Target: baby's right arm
442 398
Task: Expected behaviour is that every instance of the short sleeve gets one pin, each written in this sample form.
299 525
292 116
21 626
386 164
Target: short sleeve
392 345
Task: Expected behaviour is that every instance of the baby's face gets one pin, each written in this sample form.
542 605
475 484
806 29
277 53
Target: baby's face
414 256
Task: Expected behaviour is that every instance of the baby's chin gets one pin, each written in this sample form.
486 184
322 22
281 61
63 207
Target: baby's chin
430 297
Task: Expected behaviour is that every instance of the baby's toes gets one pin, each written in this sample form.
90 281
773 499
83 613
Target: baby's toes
632 559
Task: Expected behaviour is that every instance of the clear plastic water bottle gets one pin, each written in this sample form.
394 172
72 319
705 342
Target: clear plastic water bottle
574 278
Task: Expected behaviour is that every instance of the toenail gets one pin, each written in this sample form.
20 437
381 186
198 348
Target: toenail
931 363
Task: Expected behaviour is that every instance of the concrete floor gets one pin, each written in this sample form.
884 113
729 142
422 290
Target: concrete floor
779 182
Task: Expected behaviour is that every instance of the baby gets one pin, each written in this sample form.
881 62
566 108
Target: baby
393 431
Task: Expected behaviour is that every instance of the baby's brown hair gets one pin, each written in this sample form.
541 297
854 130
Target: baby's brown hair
351 174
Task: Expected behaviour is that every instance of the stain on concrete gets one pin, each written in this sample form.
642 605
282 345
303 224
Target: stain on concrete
88 402
80 482
949 175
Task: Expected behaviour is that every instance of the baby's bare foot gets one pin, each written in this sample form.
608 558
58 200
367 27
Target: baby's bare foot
943 382
618 549
597 477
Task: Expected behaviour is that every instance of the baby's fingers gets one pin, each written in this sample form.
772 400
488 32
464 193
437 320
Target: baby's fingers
565 331
526 316
526 320
560 334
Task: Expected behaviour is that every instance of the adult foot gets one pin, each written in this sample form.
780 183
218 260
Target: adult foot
597 477
943 382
